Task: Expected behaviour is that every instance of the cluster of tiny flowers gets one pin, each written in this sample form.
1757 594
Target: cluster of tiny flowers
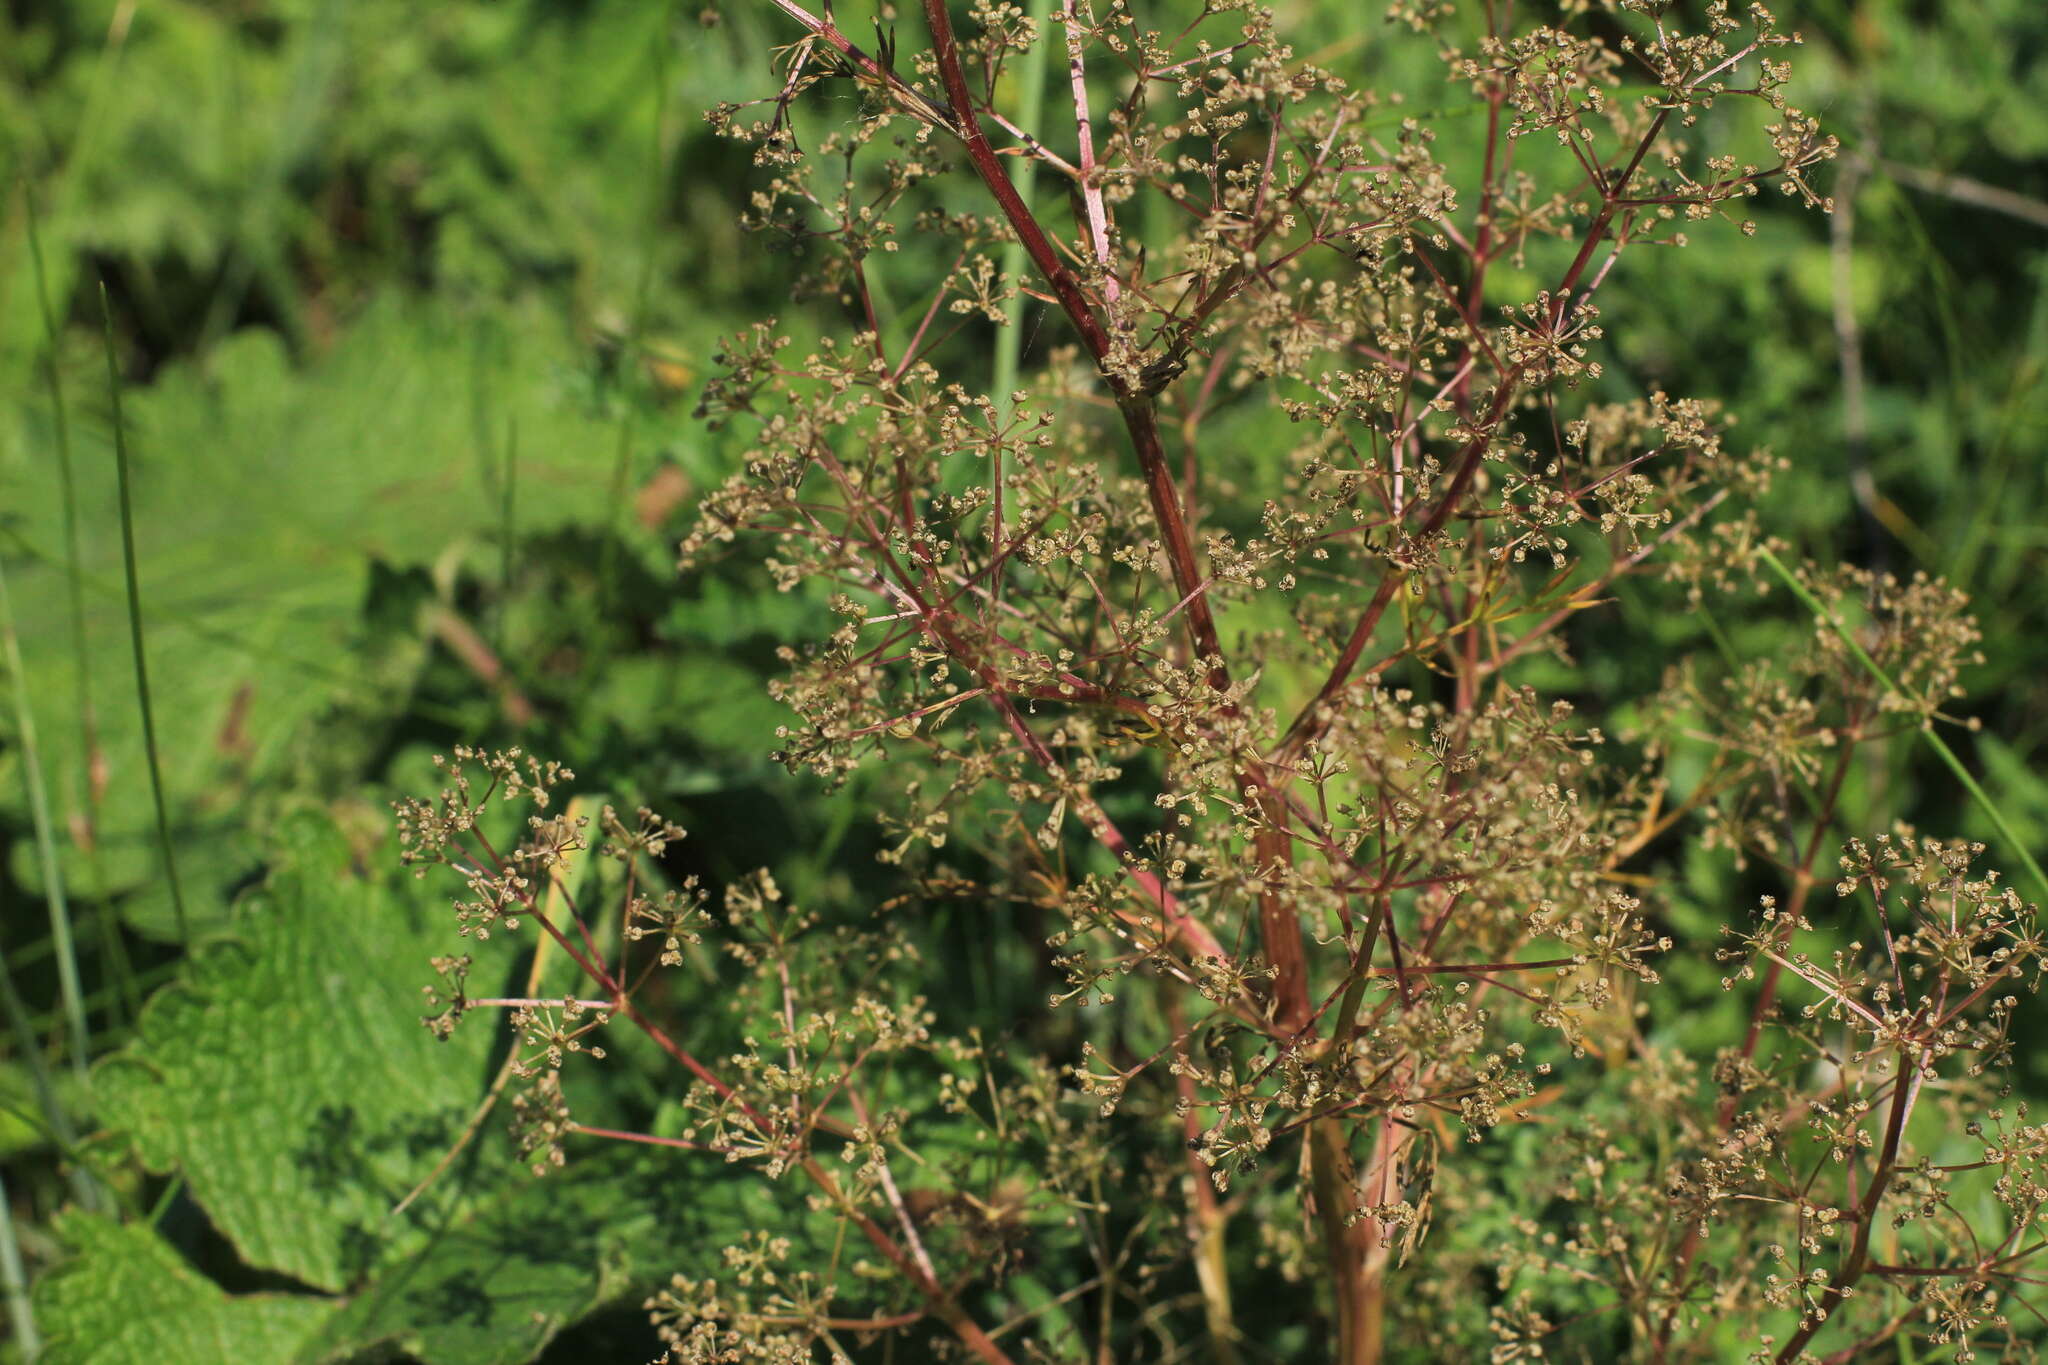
1206 658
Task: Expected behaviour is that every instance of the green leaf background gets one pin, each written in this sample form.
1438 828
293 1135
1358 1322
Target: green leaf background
287 1082
359 247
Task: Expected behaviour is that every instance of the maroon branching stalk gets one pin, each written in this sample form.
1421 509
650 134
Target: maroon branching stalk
1211 656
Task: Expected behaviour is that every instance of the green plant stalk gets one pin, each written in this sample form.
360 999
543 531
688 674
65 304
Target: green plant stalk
14 1281
162 1207
1934 741
89 1171
156 776
1030 112
68 984
67 483
1016 263
54 1117
111 947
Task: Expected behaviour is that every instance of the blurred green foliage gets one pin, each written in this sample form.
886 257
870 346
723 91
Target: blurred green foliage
415 300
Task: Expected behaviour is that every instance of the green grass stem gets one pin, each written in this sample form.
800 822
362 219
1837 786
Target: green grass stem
69 987
149 745
94 1169
14 1283
1940 746
67 481
55 1121
1030 113
114 953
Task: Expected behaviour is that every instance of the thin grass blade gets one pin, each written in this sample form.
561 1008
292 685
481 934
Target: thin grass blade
14 1283
1030 111
156 777
1984 802
114 952
66 950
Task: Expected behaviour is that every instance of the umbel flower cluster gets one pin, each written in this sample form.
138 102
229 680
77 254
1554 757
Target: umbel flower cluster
1222 662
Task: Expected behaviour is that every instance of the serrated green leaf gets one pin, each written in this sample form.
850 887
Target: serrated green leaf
126 1296
287 1076
263 495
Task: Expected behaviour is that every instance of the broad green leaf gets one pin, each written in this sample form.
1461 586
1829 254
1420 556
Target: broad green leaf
262 157
264 494
127 1296
287 1077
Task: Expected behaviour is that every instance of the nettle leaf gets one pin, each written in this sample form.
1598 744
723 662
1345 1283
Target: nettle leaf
263 494
126 1295
287 1076
288 1080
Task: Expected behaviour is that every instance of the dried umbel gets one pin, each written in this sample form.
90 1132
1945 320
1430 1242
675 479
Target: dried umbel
1209 646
